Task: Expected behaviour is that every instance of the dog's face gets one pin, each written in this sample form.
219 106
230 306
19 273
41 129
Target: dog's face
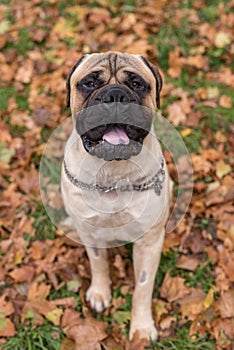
113 97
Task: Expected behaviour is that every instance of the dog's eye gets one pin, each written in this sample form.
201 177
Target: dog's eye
137 85
90 84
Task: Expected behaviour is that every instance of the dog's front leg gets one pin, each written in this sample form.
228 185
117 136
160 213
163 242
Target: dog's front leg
146 256
99 292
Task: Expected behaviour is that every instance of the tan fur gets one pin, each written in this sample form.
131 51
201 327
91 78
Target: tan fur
80 205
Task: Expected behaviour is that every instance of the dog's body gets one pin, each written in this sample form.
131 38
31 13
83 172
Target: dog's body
105 154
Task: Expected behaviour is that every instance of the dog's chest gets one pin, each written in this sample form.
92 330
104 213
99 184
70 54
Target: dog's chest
122 216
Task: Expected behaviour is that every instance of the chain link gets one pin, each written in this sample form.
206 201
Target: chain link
154 183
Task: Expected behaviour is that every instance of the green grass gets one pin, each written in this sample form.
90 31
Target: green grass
182 342
20 98
202 276
43 225
24 43
45 337
65 293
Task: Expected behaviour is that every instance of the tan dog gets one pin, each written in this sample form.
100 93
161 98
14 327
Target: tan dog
114 181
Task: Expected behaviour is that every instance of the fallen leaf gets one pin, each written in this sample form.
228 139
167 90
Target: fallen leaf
212 186
29 181
121 317
23 274
223 333
222 169
54 316
25 72
137 343
74 285
173 288
175 63
38 291
87 333
192 305
222 39
225 304
4 26
209 297
68 344
167 322
120 265
159 309
187 263
225 101
111 344
7 328
6 307
176 114
186 132
5 153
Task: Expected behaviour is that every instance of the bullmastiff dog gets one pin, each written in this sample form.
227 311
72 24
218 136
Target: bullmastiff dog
115 183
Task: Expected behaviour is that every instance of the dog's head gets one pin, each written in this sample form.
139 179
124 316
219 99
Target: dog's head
113 97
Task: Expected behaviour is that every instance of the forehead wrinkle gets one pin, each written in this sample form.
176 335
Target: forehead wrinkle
112 63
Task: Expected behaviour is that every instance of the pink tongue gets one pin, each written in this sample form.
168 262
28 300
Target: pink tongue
116 136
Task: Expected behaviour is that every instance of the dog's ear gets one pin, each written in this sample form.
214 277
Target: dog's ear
158 79
68 85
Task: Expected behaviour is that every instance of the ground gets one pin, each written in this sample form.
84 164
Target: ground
43 275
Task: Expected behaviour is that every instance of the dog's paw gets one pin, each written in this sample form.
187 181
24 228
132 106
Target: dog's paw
98 297
144 331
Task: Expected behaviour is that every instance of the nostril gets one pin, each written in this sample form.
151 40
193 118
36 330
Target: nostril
122 98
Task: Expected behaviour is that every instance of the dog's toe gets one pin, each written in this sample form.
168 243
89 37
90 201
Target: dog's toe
99 298
144 331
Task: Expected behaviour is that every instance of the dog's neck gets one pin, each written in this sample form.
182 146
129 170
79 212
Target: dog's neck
91 169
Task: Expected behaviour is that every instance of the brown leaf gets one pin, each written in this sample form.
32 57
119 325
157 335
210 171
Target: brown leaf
226 259
68 344
167 322
70 317
225 304
7 328
111 344
137 343
6 307
29 182
38 292
88 333
225 101
173 288
176 114
221 195
120 265
175 63
6 72
223 332
23 274
187 263
171 240
192 305
25 72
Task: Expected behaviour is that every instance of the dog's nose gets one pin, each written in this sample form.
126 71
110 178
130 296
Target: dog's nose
115 94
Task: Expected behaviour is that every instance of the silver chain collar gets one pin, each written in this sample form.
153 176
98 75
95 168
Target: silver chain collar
154 183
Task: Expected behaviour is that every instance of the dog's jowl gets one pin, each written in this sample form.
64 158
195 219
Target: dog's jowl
115 183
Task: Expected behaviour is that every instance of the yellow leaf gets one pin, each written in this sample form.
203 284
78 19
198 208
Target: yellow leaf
212 92
222 169
222 39
209 297
4 26
186 132
54 316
